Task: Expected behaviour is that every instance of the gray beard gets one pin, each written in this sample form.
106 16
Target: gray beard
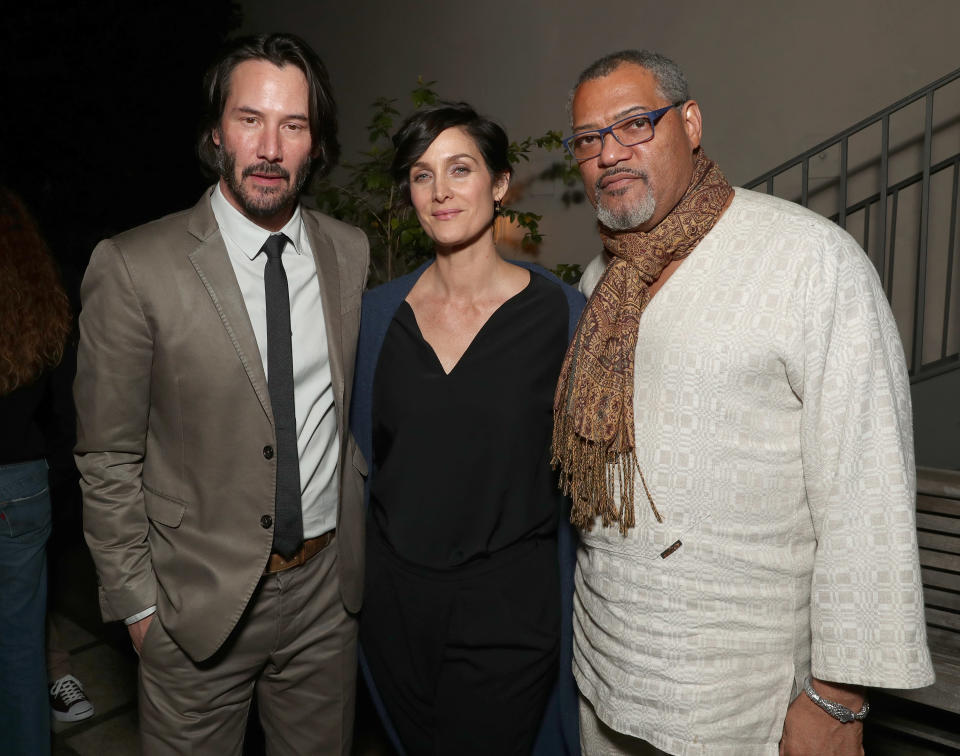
625 219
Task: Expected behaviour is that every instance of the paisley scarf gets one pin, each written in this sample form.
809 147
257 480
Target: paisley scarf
593 438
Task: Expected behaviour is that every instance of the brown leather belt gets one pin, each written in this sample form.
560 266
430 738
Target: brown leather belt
311 547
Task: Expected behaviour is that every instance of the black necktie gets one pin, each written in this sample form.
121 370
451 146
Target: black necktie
288 517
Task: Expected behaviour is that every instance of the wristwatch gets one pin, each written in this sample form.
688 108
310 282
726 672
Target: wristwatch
836 710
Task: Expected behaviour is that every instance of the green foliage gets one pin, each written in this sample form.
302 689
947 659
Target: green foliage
569 272
367 197
565 171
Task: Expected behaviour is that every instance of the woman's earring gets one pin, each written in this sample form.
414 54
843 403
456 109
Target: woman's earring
496 208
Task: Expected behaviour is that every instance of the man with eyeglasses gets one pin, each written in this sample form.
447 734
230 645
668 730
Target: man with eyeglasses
733 423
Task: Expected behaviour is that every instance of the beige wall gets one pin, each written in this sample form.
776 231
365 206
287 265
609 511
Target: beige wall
773 78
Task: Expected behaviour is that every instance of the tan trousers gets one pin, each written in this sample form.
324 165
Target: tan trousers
295 646
597 739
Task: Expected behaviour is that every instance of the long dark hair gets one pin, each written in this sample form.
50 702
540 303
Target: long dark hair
34 308
281 50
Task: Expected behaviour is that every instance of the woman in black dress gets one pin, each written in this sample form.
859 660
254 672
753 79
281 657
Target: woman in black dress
461 626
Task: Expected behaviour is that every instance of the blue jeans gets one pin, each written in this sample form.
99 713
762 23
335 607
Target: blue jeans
24 529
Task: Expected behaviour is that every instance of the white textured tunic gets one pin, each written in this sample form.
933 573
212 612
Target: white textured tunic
773 425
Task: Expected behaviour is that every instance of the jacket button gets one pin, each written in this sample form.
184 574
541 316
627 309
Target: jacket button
268 452
266 521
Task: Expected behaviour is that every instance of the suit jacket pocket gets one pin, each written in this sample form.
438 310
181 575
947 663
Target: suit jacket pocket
163 509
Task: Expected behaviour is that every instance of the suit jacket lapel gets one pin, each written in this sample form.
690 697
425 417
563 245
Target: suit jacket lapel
212 264
328 276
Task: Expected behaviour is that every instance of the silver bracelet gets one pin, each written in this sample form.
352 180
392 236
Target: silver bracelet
836 710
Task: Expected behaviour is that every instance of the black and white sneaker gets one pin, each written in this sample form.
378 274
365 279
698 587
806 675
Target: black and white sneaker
68 702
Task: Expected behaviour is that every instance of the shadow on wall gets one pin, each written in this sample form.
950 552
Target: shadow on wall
885 213
936 421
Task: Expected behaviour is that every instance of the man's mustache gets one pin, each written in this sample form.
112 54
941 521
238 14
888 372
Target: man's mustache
265 169
598 185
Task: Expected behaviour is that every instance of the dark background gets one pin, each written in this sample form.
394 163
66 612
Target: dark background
101 102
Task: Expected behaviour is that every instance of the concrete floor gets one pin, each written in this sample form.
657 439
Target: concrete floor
109 679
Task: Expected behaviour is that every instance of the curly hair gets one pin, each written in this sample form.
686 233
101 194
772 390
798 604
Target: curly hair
34 308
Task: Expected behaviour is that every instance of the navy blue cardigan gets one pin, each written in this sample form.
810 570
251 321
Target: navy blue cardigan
560 731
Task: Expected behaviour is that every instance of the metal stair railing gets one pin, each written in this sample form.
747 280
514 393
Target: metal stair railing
883 207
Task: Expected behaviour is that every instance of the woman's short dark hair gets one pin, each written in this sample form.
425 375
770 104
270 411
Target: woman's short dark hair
281 50
417 133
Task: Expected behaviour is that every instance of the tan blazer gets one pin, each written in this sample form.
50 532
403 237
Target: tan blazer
174 417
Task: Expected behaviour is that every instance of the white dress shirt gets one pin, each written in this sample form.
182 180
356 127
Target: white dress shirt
313 390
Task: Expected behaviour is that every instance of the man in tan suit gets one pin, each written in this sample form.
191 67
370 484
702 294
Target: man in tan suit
222 489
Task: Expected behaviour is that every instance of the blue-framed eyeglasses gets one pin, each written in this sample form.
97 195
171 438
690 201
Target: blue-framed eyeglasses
632 130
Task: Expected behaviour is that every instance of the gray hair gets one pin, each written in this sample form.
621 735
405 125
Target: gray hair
671 83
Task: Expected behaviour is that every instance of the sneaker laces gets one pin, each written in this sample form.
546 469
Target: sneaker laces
69 689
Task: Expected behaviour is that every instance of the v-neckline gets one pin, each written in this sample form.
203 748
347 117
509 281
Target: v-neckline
476 336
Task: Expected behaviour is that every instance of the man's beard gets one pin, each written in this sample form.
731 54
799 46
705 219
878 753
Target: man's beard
261 202
625 218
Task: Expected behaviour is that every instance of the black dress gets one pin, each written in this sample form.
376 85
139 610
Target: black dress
461 615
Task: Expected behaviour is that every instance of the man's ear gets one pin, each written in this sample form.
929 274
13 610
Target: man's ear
215 135
692 122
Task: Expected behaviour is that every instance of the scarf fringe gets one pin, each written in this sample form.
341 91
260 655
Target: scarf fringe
589 475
